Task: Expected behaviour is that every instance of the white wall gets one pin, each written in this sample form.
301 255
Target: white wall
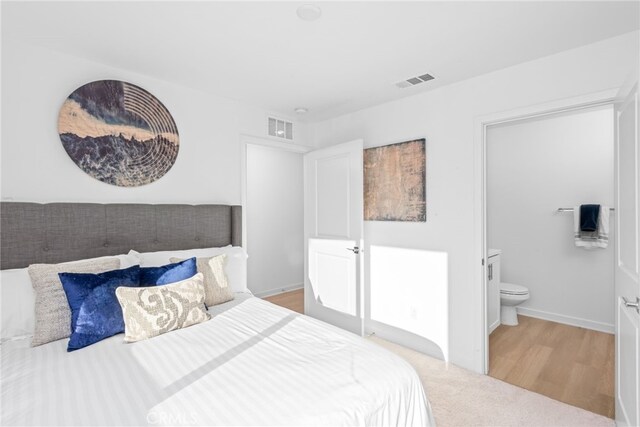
533 168
275 214
35 166
445 117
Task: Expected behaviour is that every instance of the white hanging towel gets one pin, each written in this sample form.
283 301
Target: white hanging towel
594 239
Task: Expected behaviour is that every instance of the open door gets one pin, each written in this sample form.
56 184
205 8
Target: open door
333 218
627 274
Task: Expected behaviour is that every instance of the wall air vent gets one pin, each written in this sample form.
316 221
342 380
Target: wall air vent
414 81
280 128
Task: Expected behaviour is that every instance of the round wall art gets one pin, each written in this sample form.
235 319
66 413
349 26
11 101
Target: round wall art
118 133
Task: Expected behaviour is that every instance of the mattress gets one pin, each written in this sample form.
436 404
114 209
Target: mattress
254 363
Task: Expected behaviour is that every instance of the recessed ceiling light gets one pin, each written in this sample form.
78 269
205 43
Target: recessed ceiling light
309 12
301 110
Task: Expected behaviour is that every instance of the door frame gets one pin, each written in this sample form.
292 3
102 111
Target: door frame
481 124
246 140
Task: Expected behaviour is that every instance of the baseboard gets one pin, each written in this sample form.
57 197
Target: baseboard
567 320
272 292
494 326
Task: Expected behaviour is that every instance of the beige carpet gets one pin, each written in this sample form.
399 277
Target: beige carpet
463 398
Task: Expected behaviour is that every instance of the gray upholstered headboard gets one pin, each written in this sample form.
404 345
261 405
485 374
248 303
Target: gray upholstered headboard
57 232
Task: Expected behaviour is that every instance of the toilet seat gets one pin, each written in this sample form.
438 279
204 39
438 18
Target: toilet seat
511 289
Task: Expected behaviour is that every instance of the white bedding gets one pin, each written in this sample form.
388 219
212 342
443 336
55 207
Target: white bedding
253 364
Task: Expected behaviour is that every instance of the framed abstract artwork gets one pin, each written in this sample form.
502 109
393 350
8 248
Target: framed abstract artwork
395 182
118 133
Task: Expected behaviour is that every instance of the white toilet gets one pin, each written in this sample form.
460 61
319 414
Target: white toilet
510 296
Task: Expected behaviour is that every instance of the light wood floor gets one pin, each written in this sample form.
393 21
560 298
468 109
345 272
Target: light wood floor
569 364
293 300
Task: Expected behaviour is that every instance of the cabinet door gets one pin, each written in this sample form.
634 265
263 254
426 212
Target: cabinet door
496 282
493 294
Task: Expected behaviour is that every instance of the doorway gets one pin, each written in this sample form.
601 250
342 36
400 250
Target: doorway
273 200
538 169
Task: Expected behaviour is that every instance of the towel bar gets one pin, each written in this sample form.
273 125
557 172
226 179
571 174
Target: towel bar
571 209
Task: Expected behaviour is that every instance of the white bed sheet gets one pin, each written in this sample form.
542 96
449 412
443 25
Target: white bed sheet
254 363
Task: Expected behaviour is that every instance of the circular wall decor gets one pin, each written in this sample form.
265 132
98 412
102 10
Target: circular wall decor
118 133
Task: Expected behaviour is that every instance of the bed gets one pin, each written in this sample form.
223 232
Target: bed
253 363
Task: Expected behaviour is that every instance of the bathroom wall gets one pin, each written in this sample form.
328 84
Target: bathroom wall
535 167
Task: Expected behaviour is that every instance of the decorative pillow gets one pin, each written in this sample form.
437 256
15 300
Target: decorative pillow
152 311
95 311
170 273
236 267
216 285
128 260
53 317
17 300
154 259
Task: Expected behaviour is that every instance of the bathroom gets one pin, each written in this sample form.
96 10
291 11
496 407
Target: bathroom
539 171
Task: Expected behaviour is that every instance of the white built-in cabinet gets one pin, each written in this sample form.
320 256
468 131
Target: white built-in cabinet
493 290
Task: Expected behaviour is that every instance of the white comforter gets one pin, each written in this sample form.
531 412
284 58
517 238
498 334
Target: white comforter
252 364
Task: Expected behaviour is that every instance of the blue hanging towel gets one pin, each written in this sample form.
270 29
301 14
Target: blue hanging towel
589 217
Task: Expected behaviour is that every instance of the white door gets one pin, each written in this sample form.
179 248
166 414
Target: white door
333 217
627 275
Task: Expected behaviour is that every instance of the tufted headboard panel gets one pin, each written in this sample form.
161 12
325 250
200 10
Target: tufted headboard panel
58 232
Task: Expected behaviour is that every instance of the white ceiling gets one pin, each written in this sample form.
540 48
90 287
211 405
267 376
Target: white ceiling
261 53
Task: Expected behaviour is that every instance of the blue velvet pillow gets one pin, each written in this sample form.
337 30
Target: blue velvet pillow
95 311
170 273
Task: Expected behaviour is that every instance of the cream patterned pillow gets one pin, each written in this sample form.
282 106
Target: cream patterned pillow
155 310
216 284
53 316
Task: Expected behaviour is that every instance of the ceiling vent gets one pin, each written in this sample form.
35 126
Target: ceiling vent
414 81
280 128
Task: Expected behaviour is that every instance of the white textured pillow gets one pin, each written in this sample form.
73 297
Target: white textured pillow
216 283
17 302
155 310
236 267
18 298
52 313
